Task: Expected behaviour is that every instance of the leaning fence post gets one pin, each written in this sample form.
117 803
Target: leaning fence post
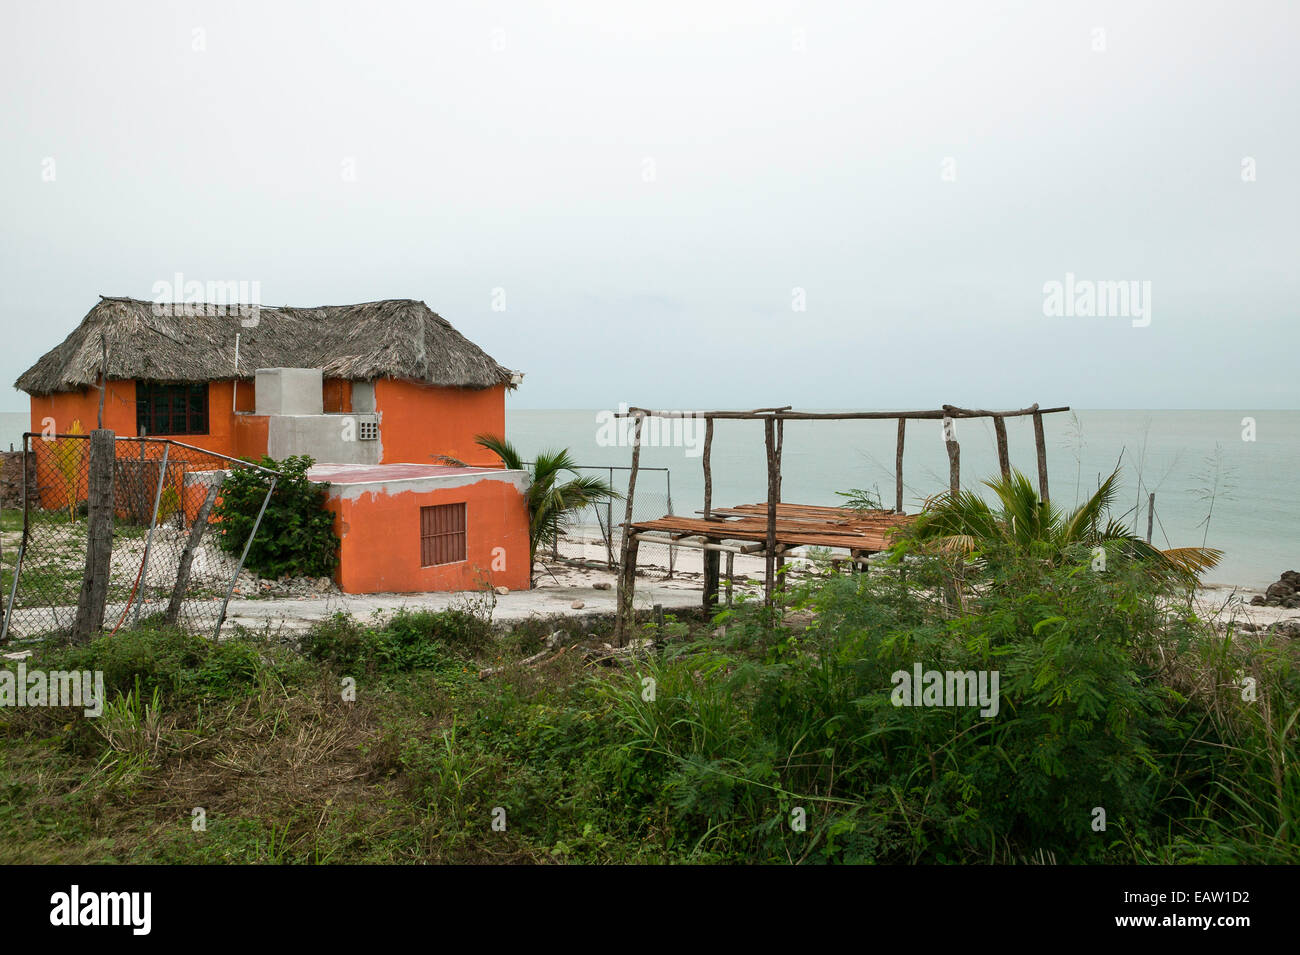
148 543
99 537
187 556
234 578
1151 515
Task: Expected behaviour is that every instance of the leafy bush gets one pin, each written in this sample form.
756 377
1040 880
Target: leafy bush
296 536
176 663
411 640
146 659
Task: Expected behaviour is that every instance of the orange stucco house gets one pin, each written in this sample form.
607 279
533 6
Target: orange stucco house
386 396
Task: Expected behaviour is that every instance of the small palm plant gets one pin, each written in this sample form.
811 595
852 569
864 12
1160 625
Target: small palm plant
553 502
965 525
69 459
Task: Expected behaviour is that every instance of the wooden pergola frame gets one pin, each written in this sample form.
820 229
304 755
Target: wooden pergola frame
773 438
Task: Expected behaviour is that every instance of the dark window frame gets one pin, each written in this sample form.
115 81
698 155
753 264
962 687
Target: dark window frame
162 406
444 534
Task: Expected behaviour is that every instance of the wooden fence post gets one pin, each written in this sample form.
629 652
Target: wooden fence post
99 537
954 457
1004 456
625 619
898 467
769 577
711 557
1040 442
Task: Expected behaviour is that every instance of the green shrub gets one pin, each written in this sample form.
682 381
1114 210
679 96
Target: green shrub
296 536
410 640
147 659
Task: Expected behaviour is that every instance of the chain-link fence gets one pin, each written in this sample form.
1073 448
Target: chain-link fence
596 532
167 561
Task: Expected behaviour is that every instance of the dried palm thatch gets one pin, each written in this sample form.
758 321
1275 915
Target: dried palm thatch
396 338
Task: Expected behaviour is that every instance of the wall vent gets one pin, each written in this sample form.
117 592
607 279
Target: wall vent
367 427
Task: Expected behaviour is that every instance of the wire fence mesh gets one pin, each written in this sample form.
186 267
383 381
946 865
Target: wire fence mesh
170 561
596 532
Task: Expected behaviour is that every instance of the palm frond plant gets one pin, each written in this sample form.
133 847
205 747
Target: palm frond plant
966 526
553 502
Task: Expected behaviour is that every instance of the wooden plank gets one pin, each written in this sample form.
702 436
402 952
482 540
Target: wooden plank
844 415
794 533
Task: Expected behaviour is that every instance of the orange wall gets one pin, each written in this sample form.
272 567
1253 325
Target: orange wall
380 534
68 406
419 421
228 433
423 420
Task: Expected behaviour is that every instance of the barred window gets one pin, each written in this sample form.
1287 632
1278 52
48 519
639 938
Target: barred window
442 534
170 408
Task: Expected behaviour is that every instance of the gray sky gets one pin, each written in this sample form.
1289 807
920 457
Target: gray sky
650 182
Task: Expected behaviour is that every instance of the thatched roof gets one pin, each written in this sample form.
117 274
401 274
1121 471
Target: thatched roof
397 338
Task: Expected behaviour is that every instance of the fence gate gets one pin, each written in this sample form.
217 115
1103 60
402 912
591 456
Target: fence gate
170 562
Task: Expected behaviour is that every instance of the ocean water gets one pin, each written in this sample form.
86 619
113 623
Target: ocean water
1211 486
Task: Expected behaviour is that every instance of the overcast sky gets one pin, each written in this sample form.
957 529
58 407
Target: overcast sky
650 184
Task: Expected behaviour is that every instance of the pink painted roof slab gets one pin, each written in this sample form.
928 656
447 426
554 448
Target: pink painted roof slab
385 473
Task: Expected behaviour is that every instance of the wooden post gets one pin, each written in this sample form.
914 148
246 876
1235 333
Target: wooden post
1004 456
99 537
731 571
769 577
710 556
898 467
1041 444
708 468
627 566
954 457
187 556
1151 515
780 445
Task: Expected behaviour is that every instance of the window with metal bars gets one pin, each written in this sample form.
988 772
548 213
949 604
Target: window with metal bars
442 534
170 408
